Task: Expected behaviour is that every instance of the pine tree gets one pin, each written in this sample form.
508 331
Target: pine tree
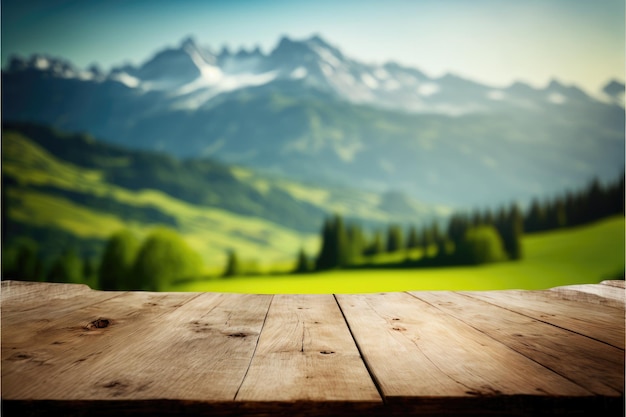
412 239
376 245
27 265
394 238
90 272
512 233
232 265
324 258
355 243
114 272
488 218
615 196
427 240
436 234
597 201
67 268
536 218
343 246
457 226
556 214
477 219
335 251
302 264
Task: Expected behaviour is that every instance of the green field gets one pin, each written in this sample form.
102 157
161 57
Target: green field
586 254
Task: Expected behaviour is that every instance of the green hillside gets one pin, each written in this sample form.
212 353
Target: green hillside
53 200
71 190
586 254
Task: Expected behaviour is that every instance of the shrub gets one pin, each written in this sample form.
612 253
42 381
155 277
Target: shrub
163 258
480 245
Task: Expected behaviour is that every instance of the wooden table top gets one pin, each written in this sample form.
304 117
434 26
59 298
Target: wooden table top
71 350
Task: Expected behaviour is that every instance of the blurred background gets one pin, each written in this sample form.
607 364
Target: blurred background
313 146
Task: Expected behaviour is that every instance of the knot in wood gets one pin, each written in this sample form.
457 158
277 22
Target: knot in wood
98 324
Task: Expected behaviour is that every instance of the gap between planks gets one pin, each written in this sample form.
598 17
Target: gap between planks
428 362
594 360
358 347
343 322
256 346
601 324
306 352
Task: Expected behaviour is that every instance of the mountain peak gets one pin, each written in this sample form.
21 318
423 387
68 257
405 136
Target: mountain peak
44 63
289 47
317 39
615 91
555 85
243 53
284 40
173 67
570 91
613 88
224 52
188 42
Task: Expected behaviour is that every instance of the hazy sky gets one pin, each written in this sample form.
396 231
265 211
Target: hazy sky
493 41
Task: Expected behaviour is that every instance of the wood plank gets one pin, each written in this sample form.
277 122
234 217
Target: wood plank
199 351
592 293
42 355
414 351
20 301
601 323
84 352
26 291
619 283
306 353
206 346
589 363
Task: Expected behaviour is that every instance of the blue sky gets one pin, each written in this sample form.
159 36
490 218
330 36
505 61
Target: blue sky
495 41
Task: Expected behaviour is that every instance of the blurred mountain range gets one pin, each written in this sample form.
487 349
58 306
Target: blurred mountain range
307 111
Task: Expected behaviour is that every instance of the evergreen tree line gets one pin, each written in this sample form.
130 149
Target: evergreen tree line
126 263
576 208
23 262
469 238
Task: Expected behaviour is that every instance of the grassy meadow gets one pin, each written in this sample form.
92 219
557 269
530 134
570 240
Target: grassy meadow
585 254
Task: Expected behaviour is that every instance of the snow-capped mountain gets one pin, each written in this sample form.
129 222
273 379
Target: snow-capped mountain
191 76
306 109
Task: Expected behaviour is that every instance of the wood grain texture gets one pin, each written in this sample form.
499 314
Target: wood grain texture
595 294
51 356
606 325
306 353
22 301
25 291
200 350
68 350
204 342
584 361
620 283
436 355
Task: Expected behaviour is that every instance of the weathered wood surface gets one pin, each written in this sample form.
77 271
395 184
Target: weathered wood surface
70 350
